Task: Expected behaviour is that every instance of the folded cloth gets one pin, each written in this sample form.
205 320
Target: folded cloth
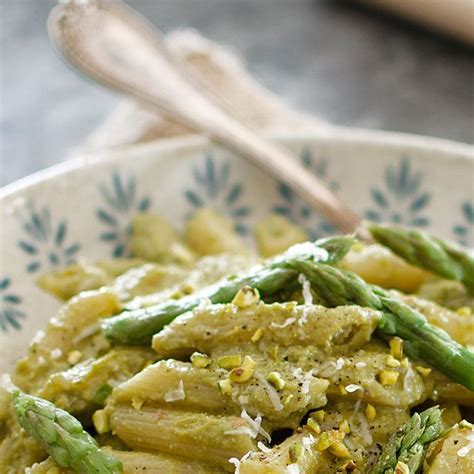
221 73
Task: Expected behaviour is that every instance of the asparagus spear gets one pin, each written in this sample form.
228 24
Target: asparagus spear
407 446
337 287
138 326
63 436
423 250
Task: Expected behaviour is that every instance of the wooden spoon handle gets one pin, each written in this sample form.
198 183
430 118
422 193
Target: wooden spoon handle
118 48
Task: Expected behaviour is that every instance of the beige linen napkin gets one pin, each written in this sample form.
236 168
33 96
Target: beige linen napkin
223 72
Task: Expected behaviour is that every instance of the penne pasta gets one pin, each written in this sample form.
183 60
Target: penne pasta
138 463
84 388
335 331
306 368
206 438
153 384
76 327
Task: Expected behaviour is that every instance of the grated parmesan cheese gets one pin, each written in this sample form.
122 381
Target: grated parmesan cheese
293 469
263 448
340 363
464 451
56 353
255 425
308 249
306 381
308 441
307 295
253 429
272 393
298 373
236 462
175 395
359 365
38 337
351 388
286 323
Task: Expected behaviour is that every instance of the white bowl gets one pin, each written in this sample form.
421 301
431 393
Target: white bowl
82 207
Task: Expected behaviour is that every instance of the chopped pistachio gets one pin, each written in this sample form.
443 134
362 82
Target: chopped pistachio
318 415
343 390
358 247
101 421
328 438
344 426
200 360
230 361
296 452
257 335
248 363
245 297
313 426
244 372
401 468
273 352
288 399
276 380
187 288
388 377
396 347
74 357
464 311
405 362
323 442
424 371
370 412
391 361
225 386
339 450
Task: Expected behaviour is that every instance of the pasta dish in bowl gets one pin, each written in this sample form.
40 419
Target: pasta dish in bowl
198 355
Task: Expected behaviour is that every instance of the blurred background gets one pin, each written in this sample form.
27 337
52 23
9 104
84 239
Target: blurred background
338 60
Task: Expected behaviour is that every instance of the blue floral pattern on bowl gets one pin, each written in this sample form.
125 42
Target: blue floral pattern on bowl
214 186
45 241
11 315
120 202
464 232
403 198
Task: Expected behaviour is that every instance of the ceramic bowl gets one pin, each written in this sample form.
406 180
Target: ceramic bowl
82 207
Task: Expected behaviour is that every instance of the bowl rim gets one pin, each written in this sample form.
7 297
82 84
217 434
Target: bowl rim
84 158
